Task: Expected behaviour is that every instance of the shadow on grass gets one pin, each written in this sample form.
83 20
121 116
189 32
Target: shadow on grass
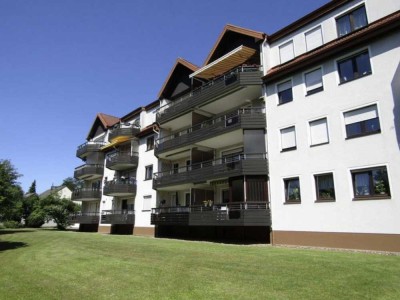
6 245
12 231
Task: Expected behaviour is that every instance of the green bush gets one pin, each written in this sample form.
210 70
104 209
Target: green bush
12 224
36 218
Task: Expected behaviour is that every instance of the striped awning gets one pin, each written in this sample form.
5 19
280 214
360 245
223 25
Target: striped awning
225 63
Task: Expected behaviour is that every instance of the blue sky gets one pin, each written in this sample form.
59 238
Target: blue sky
62 62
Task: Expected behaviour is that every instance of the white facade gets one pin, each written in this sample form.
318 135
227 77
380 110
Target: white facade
337 154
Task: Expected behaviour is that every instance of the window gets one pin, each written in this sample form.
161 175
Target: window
313 81
292 190
370 183
150 143
175 168
352 21
147 203
314 38
288 138
362 121
285 92
354 67
319 132
286 52
149 172
324 187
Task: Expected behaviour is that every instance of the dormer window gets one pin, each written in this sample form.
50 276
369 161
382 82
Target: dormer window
352 21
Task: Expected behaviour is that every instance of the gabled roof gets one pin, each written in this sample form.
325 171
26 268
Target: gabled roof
385 25
103 120
257 35
53 189
169 81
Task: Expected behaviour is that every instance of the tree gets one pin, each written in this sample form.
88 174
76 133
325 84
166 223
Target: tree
70 182
11 193
58 209
32 189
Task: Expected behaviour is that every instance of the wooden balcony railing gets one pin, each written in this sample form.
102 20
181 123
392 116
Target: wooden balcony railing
85 218
123 131
86 194
242 164
122 160
120 187
122 216
228 214
245 118
87 147
223 85
89 171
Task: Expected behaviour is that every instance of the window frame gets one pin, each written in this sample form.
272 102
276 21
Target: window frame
350 13
295 139
286 182
363 124
353 59
317 189
290 42
315 90
150 142
147 199
148 167
327 131
373 195
280 101
310 31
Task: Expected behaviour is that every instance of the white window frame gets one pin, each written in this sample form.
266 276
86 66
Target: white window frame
147 199
317 89
281 140
310 131
310 31
282 46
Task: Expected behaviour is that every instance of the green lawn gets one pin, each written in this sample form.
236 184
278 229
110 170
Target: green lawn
48 264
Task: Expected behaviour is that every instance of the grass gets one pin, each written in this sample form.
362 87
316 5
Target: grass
49 264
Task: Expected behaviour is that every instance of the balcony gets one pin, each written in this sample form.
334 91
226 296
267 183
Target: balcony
244 118
86 194
122 161
117 217
236 79
229 214
89 171
122 133
85 218
120 188
243 164
84 149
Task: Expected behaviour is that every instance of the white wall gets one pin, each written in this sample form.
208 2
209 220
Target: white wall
376 9
340 155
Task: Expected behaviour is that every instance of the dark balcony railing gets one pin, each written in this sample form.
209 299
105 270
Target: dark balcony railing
85 218
120 187
242 164
123 131
122 160
228 214
89 171
245 118
237 78
85 148
122 216
86 194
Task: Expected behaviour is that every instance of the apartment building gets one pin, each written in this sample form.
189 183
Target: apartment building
332 94
212 166
116 187
91 173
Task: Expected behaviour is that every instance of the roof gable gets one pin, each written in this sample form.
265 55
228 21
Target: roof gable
178 79
100 124
232 37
